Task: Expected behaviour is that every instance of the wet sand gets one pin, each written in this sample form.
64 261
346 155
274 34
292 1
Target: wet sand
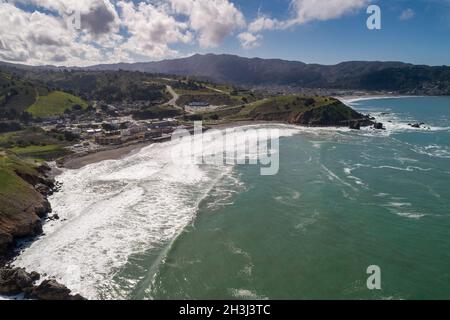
77 162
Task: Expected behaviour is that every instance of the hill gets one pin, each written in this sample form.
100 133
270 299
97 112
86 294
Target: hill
293 109
21 205
108 86
357 75
399 77
16 95
20 96
55 103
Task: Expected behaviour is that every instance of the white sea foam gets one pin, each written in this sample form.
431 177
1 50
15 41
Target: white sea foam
411 215
13 297
113 209
246 294
354 100
333 177
402 209
434 151
408 169
393 122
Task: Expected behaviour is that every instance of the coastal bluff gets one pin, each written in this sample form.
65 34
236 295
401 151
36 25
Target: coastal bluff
311 111
23 200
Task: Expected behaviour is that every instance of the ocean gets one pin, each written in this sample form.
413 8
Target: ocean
145 228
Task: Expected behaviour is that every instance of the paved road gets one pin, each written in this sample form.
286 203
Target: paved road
216 90
175 97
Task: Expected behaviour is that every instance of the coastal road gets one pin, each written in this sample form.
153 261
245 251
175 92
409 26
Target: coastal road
175 97
217 90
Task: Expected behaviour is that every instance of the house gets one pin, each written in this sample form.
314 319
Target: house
160 124
108 140
153 134
198 104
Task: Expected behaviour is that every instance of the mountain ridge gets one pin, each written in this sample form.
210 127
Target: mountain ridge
395 76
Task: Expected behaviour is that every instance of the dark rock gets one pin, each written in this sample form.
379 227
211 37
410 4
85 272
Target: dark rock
43 209
43 168
31 228
416 125
52 290
378 126
29 178
355 125
13 281
53 217
50 183
23 279
43 189
35 276
6 240
16 280
77 297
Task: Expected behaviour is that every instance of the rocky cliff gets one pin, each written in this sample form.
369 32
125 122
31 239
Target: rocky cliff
24 188
302 110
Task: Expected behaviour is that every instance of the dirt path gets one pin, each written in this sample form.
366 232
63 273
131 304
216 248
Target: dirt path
217 90
175 97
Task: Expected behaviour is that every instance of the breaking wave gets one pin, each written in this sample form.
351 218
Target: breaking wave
113 209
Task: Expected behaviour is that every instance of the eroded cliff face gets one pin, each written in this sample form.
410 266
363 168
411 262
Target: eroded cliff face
23 200
309 111
334 114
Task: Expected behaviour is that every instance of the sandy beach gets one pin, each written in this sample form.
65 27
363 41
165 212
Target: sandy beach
77 162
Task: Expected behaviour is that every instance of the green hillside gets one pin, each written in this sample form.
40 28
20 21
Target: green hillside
15 95
18 199
36 144
296 109
55 103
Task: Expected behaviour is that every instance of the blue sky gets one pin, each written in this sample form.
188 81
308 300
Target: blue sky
312 31
424 38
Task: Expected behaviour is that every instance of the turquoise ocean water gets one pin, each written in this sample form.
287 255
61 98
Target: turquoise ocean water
143 228
342 201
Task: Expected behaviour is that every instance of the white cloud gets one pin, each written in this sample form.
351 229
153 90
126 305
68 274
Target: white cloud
249 40
407 14
111 30
151 30
264 23
304 11
213 20
126 30
312 10
34 37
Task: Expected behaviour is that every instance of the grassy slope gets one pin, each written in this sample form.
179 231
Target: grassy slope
25 93
156 112
40 153
292 108
54 103
221 95
16 195
34 143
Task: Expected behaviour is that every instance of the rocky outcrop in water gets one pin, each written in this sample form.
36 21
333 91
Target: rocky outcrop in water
378 126
14 281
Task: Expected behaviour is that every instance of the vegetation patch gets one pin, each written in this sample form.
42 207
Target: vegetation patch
55 103
157 112
40 153
35 143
